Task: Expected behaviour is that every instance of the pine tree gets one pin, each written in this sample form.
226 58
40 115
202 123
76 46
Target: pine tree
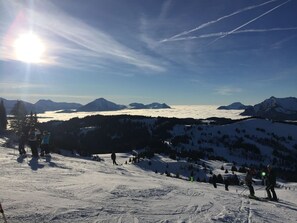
3 117
19 119
31 122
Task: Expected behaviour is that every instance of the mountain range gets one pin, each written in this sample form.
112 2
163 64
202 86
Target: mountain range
271 108
99 104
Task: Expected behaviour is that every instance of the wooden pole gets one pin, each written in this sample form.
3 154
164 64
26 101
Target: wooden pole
2 212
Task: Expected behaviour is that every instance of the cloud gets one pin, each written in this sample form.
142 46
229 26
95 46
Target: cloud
17 85
278 44
215 21
227 90
75 43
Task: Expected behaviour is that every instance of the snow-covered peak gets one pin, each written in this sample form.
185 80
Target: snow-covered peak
289 104
275 108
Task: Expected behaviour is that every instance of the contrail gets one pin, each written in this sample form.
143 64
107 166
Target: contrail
220 34
245 24
217 20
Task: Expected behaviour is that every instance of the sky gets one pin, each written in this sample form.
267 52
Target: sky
190 52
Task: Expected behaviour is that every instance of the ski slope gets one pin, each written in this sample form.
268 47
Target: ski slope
70 189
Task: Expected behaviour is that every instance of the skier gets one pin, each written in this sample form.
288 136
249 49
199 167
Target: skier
270 183
113 157
226 182
22 141
214 180
32 140
45 143
249 181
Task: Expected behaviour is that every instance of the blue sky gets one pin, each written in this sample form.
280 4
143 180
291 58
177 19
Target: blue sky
177 52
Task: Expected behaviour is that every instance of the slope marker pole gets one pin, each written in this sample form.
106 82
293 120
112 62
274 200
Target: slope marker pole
2 212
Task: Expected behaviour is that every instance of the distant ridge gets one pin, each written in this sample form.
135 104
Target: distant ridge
49 105
234 106
153 105
40 106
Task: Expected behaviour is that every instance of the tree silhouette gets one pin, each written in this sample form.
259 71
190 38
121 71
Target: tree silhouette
18 121
3 117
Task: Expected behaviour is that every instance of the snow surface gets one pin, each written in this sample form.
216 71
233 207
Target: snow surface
73 189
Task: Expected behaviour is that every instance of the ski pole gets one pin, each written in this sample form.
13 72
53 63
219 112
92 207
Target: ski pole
243 191
2 212
260 188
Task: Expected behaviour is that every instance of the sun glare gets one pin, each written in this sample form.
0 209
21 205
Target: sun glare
29 48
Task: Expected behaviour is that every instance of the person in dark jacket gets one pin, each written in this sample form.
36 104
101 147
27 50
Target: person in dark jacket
214 180
249 181
113 157
22 142
32 141
270 183
226 182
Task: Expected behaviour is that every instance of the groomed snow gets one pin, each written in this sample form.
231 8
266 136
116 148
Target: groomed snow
69 189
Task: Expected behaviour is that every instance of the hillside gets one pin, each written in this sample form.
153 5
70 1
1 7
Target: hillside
246 142
72 189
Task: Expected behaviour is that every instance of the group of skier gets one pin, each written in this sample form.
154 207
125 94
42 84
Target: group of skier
270 182
269 177
35 139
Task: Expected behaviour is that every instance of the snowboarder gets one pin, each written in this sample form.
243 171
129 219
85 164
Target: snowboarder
45 143
32 140
214 180
270 183
22 141
113 157
249 181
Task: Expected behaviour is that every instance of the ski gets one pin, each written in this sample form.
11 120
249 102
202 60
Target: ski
256 198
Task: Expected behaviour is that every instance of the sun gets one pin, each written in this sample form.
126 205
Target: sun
29 48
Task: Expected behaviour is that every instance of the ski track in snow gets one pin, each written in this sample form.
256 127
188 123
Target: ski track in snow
66 189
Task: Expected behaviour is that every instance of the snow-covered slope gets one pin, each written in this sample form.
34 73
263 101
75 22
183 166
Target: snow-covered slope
68 189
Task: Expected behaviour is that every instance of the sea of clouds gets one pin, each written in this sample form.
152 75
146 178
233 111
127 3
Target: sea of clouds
177 111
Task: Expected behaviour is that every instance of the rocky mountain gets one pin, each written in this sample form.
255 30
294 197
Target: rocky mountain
101 104
154 105
274 108
234 106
